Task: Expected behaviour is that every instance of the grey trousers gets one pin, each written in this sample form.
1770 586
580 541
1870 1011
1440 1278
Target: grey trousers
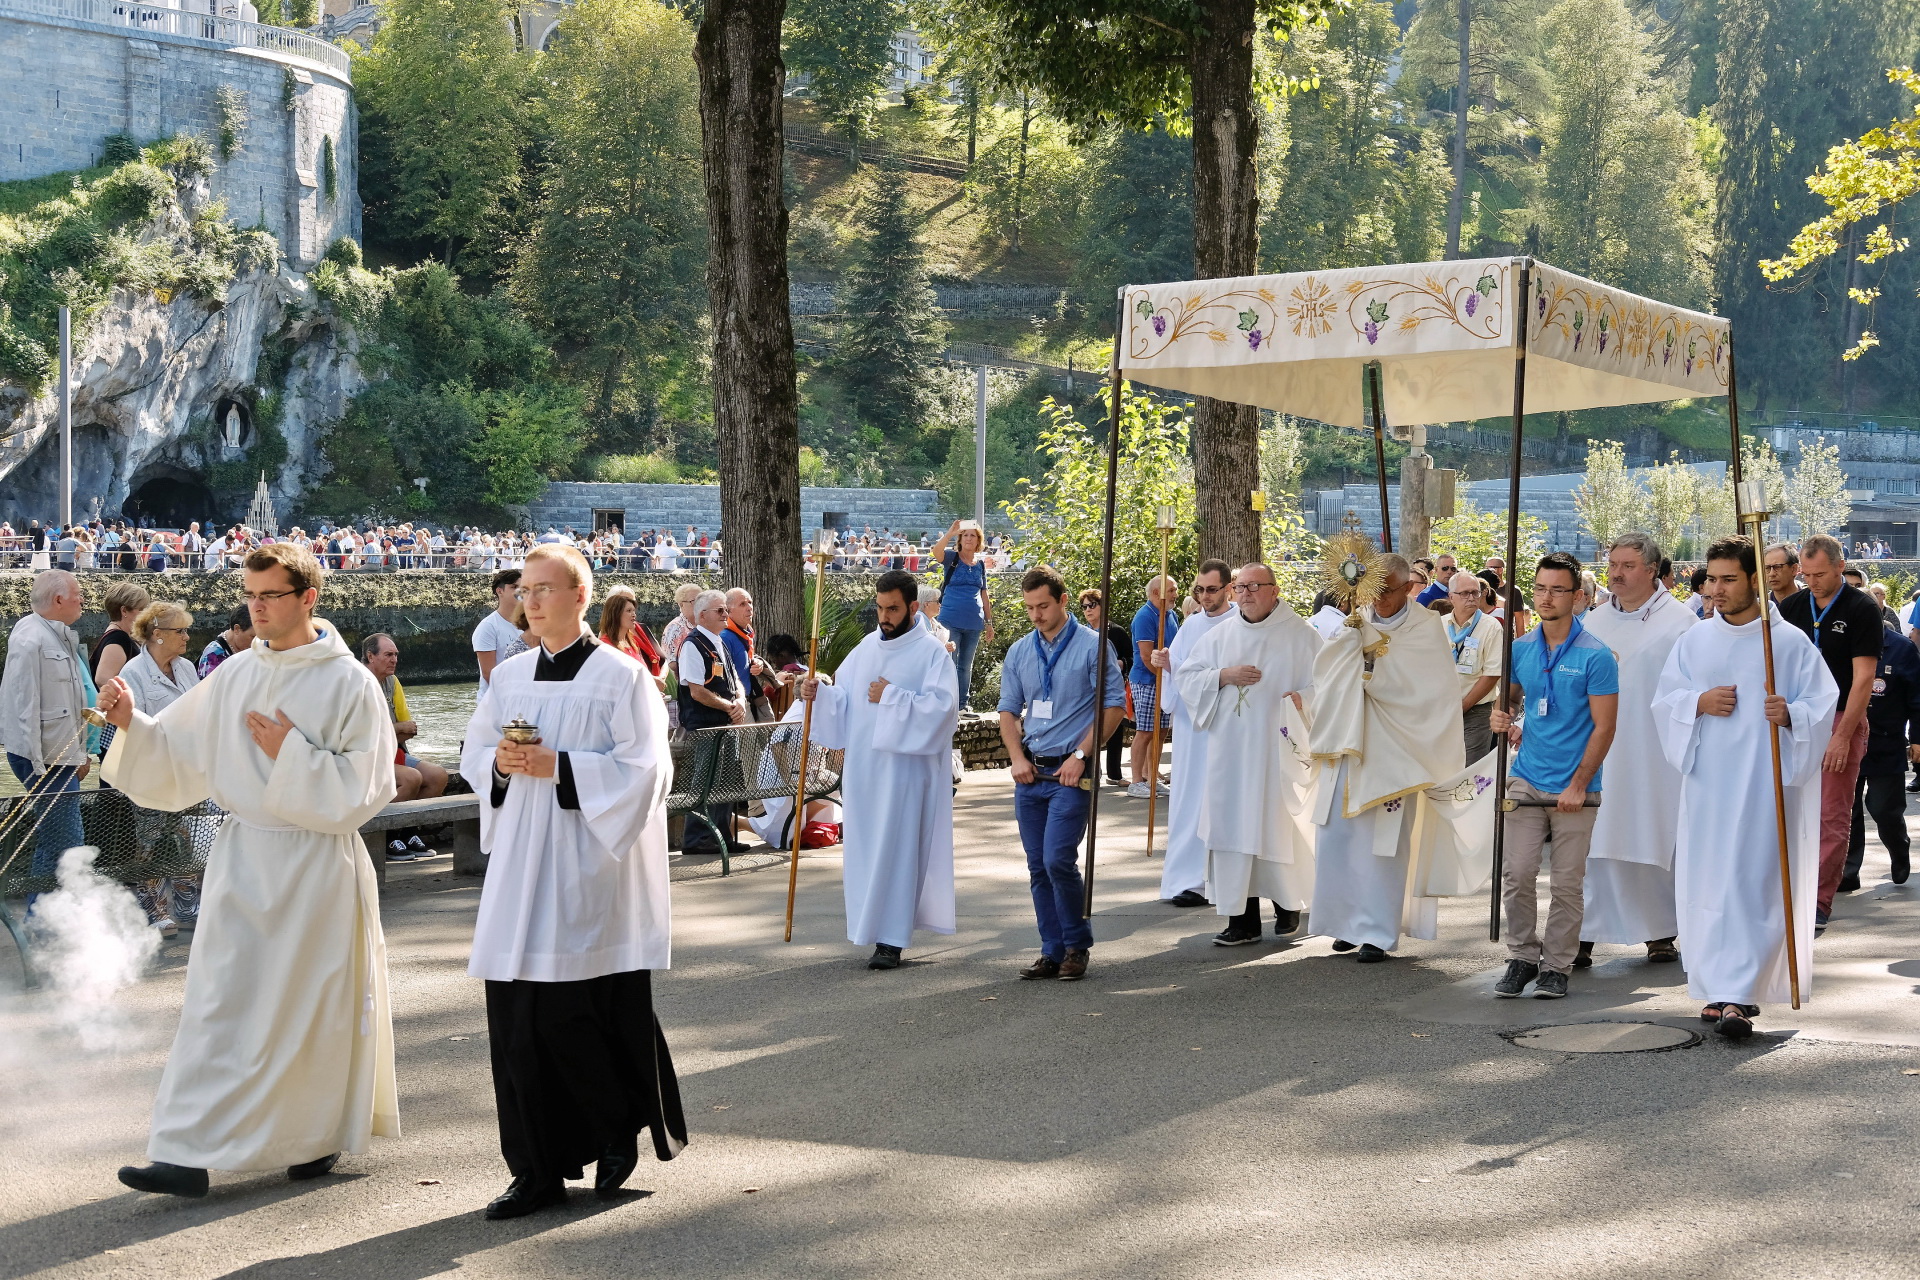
1479 732
1528 828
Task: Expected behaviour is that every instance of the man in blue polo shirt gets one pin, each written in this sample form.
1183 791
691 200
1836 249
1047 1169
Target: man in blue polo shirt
1146 631
1047 724
1568 684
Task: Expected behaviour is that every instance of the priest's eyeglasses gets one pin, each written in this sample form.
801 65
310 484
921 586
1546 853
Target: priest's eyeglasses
1248 588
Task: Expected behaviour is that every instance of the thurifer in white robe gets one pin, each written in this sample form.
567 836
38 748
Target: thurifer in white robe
896 785
1726 866
1381 741
1254 814
284 1052
574 894
1629 886
1186 864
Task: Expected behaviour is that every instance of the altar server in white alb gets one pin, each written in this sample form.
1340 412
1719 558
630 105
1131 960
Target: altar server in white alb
1629 889
574 914
1242 686
284 1053
1386 726
1713 712
1183 878
894 704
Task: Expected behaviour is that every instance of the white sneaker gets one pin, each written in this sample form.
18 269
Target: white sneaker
1138 791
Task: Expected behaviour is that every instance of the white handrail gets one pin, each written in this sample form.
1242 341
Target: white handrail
152 19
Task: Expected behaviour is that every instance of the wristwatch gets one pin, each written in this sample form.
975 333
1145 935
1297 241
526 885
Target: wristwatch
1079 754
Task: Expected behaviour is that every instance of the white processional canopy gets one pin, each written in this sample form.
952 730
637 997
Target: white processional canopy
1442 332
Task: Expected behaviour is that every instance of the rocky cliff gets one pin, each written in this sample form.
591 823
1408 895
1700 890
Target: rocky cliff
199 358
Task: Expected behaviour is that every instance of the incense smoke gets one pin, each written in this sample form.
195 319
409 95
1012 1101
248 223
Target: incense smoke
93 940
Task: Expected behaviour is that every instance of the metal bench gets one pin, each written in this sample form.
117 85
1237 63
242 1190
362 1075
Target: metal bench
741 763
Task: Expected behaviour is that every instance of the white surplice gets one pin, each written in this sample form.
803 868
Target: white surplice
896 784
1726 866
284 1052
578 893
1254 813
1381 739
1186 863
1629 887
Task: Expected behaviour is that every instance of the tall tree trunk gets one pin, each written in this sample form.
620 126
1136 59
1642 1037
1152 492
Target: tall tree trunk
755 403
973 125
1462 97
1020 174
1226 242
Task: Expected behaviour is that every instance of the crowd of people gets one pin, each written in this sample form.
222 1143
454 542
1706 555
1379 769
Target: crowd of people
124 547
1338 766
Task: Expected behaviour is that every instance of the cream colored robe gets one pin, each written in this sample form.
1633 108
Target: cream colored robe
1388 744
284 1052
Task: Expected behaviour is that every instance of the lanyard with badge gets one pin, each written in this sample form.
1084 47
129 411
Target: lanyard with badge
1460 639
1041 708
1820 615
1550 658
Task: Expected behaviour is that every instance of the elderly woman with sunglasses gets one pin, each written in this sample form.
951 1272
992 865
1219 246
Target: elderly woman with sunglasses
158 676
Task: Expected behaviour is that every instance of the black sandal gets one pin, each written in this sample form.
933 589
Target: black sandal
1736 1021
1712 1012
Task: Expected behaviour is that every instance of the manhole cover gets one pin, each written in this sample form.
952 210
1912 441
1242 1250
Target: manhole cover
1604 1037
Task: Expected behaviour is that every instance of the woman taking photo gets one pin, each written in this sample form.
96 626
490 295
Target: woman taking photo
965 611
158 676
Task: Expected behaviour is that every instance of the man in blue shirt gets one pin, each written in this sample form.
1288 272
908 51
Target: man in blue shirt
1161 593
1439 580
1568 683
1047 723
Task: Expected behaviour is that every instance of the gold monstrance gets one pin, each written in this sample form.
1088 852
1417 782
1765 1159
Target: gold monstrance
1350 571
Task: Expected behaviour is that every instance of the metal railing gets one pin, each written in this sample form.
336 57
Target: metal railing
160 20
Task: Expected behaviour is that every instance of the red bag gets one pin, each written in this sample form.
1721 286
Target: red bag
820 835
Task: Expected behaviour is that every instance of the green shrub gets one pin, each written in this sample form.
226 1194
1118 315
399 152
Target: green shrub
637 468
132 193
345 251
118 148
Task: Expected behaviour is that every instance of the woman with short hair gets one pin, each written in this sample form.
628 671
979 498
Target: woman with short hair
158 676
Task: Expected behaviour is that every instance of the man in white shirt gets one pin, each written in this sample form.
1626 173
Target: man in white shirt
712 693
496 638
1474 637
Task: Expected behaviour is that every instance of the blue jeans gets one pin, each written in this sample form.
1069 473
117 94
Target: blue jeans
965 644
59 829
1052 820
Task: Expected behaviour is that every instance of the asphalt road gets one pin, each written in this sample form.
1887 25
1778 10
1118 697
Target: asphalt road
1186 1111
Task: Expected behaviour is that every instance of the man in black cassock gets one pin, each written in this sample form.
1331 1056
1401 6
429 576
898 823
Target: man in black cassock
574 914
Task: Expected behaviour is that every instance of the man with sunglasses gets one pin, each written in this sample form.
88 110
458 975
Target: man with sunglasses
1183 877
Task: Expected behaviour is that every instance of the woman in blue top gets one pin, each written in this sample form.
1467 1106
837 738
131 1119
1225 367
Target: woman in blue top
965 610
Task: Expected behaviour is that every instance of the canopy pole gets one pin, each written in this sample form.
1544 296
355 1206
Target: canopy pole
1091 778
1524 316
1380 453
1756 520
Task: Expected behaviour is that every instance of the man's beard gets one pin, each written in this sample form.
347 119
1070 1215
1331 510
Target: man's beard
894 633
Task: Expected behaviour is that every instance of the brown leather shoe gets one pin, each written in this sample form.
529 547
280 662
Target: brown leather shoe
1074 967
1044 968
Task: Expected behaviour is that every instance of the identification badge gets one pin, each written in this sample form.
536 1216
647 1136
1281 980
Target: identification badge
1464 668
1040 709
1540 708
1879 687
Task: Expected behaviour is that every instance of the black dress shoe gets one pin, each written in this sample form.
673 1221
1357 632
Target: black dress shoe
313 1168
1285 922
1583 959
166 1179
616 1166
1188 898
1341 944
1370 954
1848 884
1902 867
884 957
527 1195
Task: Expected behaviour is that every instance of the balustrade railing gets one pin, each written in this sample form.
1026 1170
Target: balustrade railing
164 20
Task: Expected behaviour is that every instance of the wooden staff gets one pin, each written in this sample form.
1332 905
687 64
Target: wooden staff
1380 453
822 553
1164 521
1751 499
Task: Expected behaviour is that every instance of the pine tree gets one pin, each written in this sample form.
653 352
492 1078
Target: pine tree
613 268
1622 196
1139 223
891 333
